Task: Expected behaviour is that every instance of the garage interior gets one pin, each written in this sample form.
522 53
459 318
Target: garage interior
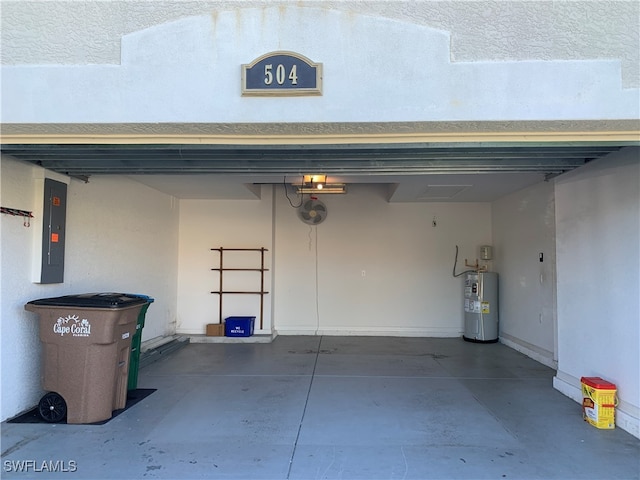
182 130
312 405
441 166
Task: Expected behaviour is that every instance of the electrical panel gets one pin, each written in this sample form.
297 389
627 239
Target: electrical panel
53 231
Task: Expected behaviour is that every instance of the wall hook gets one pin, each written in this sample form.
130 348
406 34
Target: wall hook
18 213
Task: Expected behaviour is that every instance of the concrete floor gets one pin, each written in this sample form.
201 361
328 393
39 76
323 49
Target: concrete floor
337 408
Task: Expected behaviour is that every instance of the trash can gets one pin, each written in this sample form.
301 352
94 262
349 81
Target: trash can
134 362
86 342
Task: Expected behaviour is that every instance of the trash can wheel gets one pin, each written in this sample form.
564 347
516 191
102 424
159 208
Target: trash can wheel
52 407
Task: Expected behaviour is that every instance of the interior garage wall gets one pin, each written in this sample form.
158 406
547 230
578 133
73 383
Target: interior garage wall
121 236
598 262
316 280
524 229
207 224
373 267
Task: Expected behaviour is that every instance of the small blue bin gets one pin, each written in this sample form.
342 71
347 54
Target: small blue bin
239 326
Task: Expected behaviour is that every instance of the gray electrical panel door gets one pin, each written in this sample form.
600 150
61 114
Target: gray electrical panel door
53 231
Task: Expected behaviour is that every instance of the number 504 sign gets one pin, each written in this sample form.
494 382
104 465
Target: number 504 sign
281 73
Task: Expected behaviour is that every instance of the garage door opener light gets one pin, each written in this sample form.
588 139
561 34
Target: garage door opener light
315 184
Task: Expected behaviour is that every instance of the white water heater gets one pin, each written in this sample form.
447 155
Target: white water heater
481 307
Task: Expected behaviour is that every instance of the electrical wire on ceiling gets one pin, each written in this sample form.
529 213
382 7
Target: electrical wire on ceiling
286 193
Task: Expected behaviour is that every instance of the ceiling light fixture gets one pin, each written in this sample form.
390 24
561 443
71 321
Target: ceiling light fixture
318 184
315 181
334 188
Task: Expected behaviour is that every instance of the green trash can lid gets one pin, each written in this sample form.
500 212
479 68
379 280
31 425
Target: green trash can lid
92 300
147 298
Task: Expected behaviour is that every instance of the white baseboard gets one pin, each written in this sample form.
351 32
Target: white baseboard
568 386
538 354
367 331
628 423
191 331
255 338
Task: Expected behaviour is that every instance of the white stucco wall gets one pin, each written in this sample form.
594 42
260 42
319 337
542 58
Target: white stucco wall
188 70
598 260
121 236
55 32
19 343
524 228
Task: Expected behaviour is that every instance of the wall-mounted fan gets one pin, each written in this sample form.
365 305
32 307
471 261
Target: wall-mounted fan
312 211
